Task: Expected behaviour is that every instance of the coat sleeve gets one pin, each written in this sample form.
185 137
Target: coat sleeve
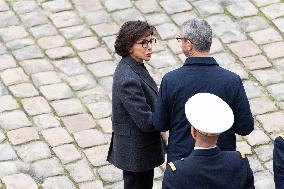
278 163
134 101
243 120
250 177
161 116
168 180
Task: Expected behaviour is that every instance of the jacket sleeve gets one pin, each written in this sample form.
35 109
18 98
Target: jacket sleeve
167 180
243 120
134 101
250 177
278 163
161 115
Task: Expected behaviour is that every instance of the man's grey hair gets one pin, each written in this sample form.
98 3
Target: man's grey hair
199 33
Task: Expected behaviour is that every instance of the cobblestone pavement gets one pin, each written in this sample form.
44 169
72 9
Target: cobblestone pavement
56 66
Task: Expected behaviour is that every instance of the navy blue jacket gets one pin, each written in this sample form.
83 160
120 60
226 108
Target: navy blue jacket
210 169
278 162
199 75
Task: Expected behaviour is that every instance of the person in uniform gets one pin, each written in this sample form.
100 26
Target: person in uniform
207 167
136 147
199 74
278 162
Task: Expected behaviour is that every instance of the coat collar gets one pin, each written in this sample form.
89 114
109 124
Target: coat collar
200 61
206 152
142 72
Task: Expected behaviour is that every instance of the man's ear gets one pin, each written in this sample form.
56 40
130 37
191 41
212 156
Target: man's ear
130 50
189 46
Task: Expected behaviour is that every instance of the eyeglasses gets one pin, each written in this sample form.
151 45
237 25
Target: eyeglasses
144 43
182 38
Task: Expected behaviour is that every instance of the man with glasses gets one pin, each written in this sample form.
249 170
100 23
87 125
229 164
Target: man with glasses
199 74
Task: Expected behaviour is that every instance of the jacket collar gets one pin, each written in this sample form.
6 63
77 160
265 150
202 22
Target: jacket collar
142 72
200 61
206 152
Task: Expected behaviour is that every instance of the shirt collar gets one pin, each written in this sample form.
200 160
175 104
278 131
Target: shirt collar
200 61
206 152
202 148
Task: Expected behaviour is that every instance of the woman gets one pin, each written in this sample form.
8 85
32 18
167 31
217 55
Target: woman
135 147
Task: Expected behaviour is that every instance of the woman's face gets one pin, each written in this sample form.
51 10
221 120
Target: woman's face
142 49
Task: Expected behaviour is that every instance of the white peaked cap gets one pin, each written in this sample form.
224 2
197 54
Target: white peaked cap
208 113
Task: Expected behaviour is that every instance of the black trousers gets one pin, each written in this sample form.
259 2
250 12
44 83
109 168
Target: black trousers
138 180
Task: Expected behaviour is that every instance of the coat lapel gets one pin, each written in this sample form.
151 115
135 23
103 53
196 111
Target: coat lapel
142 72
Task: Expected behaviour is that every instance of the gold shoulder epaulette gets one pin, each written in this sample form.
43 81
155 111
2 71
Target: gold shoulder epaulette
242 155
172 166
282 135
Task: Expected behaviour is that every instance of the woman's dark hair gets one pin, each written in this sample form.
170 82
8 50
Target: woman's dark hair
129 33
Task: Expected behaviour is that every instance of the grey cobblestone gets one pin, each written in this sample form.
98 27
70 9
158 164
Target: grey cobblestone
89 138
23 181
70 66
57 136
268 76
34 19
253 23
96 17
22 135
79 122
36 105
8 19
57 5
45 78
80 171
36 65
59 182
127 15
256 62
12 33
65 19
87 5
19 43
43 31
28 52
56 91
81 82
47 168
171 7
33 151
67 153
76 32
207 7
84 44
23 90
13 120
7 152
7 102
265 36
13 167
242 8
67 107
22 7
45 121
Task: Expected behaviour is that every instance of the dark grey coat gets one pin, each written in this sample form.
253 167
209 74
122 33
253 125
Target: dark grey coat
135 145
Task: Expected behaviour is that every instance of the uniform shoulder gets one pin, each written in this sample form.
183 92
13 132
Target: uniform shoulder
174 165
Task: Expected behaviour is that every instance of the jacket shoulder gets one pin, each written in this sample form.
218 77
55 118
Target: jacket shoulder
279 141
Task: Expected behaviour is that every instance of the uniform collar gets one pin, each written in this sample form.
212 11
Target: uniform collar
206 152
200 61
141 70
